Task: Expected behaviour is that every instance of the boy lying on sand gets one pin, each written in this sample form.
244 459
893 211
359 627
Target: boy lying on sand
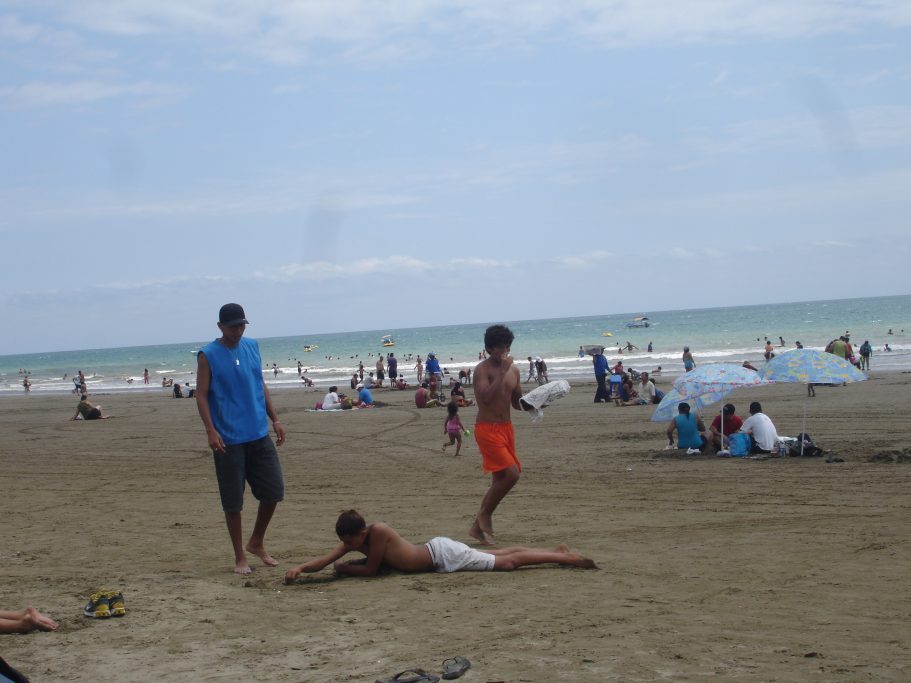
383 546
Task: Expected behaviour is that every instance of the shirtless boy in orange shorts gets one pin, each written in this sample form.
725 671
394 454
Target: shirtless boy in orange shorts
496 388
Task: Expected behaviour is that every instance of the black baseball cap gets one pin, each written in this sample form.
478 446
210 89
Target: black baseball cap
232 314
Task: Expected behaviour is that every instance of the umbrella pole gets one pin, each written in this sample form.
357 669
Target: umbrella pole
721 414
803 428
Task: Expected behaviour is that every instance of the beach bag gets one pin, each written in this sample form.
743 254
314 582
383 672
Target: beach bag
739 444
810 449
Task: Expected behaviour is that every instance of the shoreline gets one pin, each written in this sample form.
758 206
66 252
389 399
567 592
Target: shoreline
666 377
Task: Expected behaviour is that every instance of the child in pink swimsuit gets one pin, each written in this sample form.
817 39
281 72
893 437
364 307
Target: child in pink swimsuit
452 426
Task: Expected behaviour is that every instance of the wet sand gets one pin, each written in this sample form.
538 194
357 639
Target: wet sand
730 569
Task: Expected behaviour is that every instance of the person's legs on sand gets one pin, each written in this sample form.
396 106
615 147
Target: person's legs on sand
501 484
524 557
235 531
255 544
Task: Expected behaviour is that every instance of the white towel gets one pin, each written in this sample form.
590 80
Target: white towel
543 396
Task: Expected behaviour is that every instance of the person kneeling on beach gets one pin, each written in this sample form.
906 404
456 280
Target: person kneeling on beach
721 431
383 546
690 430
87 410
422 398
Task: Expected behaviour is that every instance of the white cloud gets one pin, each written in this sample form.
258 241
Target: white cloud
290 32
585 261
13 29
479 263
322 270
834 244
43 94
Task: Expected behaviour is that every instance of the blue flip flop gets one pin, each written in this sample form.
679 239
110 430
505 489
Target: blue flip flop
455 667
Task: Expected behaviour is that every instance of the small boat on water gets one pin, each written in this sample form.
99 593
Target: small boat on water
387 340
641 321
607 334
310 347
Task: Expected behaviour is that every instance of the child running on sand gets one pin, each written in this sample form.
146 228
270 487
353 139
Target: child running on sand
452 426
496 388
384 546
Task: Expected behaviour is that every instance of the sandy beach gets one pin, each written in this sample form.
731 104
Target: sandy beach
725 569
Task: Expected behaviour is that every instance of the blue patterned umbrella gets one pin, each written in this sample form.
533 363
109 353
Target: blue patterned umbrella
717 380
808 366
668 406
705 385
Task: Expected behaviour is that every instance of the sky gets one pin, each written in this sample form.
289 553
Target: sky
360 165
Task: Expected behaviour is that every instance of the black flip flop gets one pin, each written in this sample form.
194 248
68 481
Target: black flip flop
410 676
454 667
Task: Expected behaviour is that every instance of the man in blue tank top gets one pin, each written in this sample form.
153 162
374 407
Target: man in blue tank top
235 407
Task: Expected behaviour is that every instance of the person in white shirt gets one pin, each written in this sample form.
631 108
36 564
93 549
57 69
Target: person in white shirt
331 400
762 432
647 391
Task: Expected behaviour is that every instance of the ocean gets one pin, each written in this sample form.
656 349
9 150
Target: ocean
731 334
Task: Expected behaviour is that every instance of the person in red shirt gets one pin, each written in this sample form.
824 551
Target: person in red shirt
732 424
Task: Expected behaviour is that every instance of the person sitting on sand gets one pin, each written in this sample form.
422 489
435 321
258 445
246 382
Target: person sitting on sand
383 546
763 435
648 393
87 410
178 392
458 396
628 395
720 432
364 397
332 401
422 398
400 383
689 428
25 621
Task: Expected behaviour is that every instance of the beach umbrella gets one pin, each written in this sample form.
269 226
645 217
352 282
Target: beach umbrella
809 366
668 406
712 382
717 378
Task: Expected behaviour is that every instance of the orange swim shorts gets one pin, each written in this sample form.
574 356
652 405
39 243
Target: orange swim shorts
497 443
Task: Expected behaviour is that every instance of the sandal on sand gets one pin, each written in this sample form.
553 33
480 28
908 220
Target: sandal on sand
455 667
410 676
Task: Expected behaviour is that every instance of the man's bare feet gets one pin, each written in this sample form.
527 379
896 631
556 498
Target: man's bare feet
484 537
585 563
39 621
261 553
243 568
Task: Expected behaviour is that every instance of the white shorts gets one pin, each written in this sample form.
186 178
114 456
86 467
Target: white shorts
454 556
